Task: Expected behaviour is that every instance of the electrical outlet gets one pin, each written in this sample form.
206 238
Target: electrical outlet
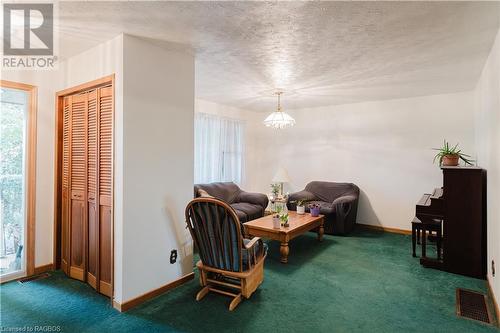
493 268
173 256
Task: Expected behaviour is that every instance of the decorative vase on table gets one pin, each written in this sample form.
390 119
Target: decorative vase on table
314 210
300 206
276 222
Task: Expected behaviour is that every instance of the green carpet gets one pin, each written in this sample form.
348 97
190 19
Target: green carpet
367 282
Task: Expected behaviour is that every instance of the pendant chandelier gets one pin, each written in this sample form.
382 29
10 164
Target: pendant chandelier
279 119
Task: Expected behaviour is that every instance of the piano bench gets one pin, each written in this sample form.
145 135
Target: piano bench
418 229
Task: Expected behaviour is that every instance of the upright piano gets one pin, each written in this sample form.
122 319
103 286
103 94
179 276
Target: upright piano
461 204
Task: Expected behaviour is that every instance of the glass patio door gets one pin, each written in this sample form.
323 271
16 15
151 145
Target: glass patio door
14 109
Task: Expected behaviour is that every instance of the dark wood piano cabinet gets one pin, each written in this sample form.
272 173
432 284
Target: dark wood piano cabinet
462 206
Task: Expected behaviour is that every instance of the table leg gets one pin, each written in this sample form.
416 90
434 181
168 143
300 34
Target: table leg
321 231
284 250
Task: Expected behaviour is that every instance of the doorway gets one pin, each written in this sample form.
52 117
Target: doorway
17 179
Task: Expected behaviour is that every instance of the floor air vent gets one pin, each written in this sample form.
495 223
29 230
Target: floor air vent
34 278
472 305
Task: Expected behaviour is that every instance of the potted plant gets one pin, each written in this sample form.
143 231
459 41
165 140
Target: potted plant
314 209
450 156
276 221
284 220
300 206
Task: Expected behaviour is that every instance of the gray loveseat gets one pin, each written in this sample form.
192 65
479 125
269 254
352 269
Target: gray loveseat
337 201
248 206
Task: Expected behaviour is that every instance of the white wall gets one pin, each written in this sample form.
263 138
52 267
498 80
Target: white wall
158 139
487 96
47 82
384 147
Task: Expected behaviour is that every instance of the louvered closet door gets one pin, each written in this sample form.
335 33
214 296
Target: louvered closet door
78 186
92 172
65 201
105 181
87 151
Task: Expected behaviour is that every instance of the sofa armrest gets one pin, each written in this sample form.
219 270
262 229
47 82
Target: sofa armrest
254 198
344 204
345 199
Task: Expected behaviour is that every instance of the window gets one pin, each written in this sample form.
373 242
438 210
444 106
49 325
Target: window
17 167
218 149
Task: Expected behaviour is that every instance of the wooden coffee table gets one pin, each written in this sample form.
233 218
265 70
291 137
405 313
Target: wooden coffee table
299 224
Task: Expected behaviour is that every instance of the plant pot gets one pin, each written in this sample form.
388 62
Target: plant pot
314 211
450 160
301 210
276 223
284 220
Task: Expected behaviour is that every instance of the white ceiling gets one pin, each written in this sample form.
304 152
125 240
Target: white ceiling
319 53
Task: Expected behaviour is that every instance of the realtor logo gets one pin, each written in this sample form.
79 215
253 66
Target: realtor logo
29 39
28 29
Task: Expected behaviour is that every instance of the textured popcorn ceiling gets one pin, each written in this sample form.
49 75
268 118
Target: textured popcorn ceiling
319 53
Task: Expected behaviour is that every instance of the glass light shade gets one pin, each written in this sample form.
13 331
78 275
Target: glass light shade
279 119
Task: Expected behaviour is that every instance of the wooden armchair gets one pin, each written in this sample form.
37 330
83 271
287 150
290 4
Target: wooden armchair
230 265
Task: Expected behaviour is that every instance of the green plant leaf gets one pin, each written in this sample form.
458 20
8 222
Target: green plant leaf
466 160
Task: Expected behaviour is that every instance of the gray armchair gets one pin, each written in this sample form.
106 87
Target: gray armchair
248 206
337 201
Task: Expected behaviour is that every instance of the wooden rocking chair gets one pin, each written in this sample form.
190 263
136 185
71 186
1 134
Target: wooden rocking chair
230 265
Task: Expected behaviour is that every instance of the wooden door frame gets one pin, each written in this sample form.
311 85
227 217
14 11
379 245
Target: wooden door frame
30 171
59 108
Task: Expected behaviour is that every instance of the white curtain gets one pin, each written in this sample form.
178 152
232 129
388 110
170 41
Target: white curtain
218 149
